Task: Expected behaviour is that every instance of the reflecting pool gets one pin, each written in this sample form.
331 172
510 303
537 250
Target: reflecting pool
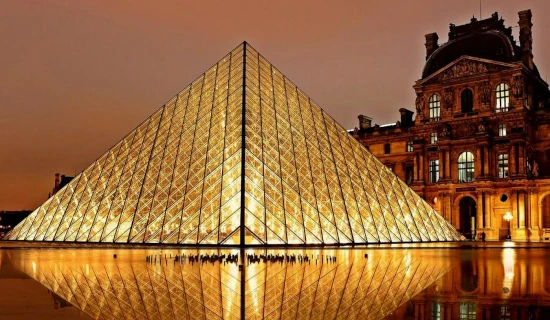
437 283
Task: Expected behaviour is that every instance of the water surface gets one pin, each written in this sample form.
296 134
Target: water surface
435 283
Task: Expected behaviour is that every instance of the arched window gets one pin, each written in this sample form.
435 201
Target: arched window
467 101
435 107
502 97
466 167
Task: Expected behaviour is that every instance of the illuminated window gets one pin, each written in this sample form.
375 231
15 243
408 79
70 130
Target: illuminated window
436 311
433 137
502 97
501 130
504 313
503 165
466 167
467 101
435 107
410 147
387 148
468 311
434 171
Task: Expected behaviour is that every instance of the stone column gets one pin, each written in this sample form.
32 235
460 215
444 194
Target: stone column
480 214
420 167
512 161
521 208
478 162
442 165
534 214
448 161
447 311
521 158
488 163
514 202
489 198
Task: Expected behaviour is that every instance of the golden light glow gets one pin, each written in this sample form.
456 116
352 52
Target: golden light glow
242 139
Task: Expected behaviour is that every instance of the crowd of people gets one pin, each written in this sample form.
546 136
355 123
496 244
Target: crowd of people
234 258
289 258
194 258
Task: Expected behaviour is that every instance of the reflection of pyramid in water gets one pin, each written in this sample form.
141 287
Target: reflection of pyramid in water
240 156
351 288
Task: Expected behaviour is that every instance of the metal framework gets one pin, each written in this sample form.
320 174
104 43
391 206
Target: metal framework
239 157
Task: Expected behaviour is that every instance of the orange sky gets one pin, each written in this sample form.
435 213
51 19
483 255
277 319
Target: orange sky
76 76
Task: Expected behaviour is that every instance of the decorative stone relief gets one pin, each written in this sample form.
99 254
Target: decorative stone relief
482 127
517 87
445 131
420 101
484 93
464 68
464 130
448 98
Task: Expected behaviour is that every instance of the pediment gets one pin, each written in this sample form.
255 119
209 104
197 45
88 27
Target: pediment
466 66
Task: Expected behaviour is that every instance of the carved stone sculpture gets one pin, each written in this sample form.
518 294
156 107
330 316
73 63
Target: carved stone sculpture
485 93
419 103
448 98
482 127
464 68
445 131
517 87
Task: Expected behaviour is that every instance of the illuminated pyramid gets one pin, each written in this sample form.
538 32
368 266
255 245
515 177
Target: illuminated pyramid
240 156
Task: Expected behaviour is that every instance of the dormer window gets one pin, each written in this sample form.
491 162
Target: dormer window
435 107
502 97
467 101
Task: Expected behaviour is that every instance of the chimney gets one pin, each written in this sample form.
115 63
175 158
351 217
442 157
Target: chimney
364 122
431 44
526 37
406 117
56 183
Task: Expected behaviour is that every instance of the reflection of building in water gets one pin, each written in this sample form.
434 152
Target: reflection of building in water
490 284
354 287
479 145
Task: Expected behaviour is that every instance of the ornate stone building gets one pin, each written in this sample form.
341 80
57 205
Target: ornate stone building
479 147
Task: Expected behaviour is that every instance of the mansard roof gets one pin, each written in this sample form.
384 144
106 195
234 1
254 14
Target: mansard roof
486 39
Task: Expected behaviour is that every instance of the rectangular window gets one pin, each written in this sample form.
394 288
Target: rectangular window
434 171
502 97
467 311
501 130
436 311
505 313
435 107
410 147
503 166
387 148
433 137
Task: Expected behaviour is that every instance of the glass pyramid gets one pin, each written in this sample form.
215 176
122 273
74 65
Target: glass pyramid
240 156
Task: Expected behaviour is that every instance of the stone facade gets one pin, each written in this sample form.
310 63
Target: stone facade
479 146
